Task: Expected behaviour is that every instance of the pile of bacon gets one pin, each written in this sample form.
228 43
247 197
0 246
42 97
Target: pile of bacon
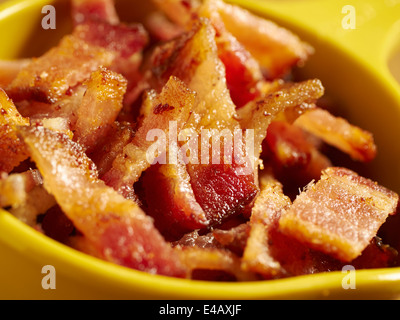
74 144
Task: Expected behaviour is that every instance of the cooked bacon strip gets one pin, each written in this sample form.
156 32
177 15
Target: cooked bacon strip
116 227
220 188
109 147
243 72
271 253
173 104
97 10
267 208
25 196
56 124
65 108
338 132
295 160
171 201
9 115
49 77
190 58
122 39
195 258
14 187
161 28
179 11
100 107
275 48
9 69
340 214
12 150
234 238
258 114
91 45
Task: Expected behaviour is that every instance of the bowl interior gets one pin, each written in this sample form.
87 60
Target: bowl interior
360 95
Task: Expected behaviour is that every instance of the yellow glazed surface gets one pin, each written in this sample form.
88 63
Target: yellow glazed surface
353 66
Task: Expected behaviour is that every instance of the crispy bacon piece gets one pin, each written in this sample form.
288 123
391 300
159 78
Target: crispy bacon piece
179 11
122 39
275 48
191 58
100 107
211 259
161 28
295 160
234 238
91 45
116 227
338 132
290 98
170 199
243 72
88 112
49 77
173 104
25 196
9 69
65 108
12 150
9 115
219 187
340 214
97 10
14 188
109 147
269 252
267 207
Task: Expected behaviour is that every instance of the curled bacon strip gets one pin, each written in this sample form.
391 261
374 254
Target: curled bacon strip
117 228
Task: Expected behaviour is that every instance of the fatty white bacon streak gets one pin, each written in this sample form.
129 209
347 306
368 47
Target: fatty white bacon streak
116 227
340 214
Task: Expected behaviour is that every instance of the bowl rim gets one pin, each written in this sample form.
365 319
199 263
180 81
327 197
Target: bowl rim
35 245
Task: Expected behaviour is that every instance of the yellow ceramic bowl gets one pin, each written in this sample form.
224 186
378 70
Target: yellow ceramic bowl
353 65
